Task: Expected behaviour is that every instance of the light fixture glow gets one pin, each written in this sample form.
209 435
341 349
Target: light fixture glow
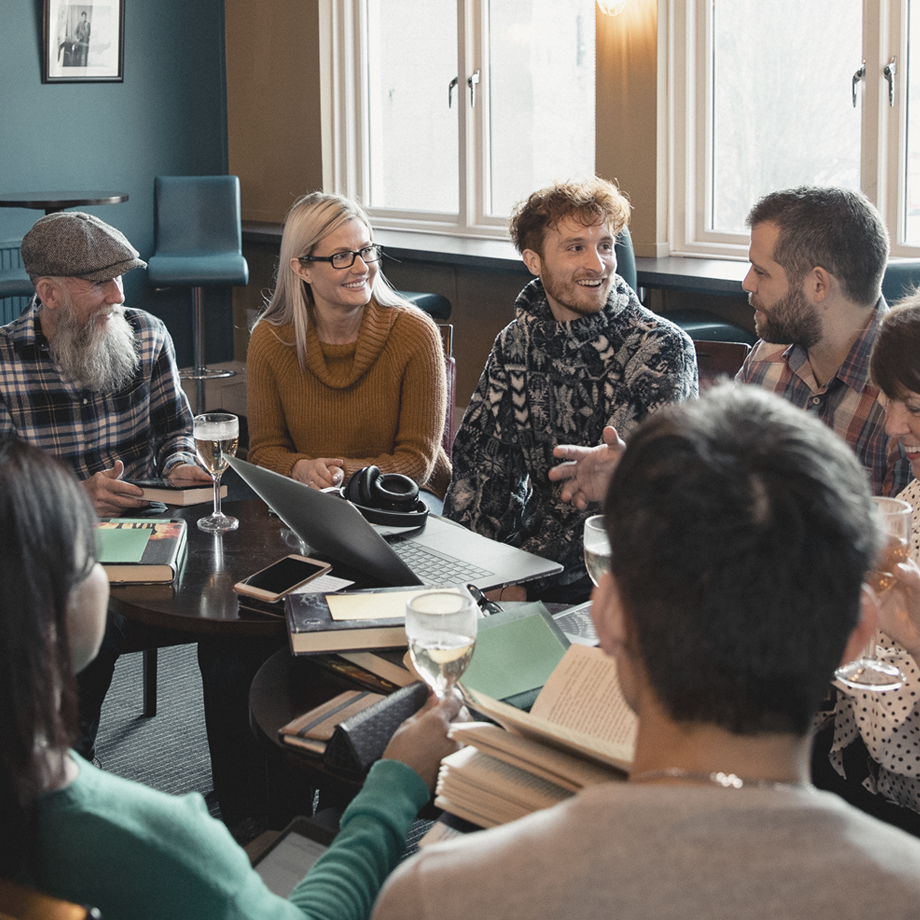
612 7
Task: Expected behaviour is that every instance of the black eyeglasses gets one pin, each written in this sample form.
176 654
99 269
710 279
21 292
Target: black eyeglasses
347 259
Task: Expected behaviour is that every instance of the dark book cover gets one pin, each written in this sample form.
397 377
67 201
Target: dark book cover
312 629
141 550
161 490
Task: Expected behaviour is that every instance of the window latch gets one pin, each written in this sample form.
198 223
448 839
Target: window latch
859 75
450 91
471 83
890 71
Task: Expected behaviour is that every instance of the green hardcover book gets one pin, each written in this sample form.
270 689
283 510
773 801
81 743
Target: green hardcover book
141 550
516 651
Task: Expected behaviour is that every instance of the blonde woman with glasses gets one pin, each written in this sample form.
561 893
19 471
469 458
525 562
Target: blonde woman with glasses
343 372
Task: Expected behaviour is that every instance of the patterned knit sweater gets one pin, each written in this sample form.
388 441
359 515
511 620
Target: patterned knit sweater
547 383
380 400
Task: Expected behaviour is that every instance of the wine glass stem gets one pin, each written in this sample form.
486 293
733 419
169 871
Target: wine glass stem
217 511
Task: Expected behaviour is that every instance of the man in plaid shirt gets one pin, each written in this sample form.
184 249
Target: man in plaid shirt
87 379
817 260
96 384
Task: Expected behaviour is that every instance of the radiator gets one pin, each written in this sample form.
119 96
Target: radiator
10 307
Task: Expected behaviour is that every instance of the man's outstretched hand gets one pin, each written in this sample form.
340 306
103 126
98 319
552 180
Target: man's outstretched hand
587 470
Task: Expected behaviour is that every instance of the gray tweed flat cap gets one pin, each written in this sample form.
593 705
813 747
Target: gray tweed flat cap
71 244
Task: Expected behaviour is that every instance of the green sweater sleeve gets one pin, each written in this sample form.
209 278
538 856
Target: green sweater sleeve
138 854
345 882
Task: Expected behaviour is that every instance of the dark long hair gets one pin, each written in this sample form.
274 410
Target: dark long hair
47 547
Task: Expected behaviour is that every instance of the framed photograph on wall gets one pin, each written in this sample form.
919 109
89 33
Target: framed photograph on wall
83 42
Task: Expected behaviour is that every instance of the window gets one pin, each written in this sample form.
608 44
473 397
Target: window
768 96
447 112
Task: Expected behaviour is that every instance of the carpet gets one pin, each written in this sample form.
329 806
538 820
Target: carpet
169 751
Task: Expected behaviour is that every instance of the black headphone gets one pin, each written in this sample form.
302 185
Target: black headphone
386 498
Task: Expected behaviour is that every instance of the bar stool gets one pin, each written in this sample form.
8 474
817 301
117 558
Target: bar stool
701 325
14 282
198 243
901 278
438 307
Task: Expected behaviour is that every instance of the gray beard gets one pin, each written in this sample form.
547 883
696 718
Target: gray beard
101 358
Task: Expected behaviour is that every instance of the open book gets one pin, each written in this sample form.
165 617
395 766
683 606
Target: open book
580 732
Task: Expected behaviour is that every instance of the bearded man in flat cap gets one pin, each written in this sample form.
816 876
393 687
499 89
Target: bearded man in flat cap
87 379
95 384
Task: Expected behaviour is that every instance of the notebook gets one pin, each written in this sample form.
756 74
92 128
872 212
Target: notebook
441 553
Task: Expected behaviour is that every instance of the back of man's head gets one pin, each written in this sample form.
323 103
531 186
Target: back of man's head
833 228
740 530
589 202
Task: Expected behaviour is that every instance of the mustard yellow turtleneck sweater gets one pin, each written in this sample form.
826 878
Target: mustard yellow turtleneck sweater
380 400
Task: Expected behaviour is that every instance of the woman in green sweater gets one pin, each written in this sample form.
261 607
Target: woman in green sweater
78 833
342 372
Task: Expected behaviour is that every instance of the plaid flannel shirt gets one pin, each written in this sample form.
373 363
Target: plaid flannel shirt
147 425
848 403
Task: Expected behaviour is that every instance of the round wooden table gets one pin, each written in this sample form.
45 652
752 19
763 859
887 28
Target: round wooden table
201 600
49 202
285 687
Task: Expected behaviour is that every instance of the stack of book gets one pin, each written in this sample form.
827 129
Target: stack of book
580 732
346 621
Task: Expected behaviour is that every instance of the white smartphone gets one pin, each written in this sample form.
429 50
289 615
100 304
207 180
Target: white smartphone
281 577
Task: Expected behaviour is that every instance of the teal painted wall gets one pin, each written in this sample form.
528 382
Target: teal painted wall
168 117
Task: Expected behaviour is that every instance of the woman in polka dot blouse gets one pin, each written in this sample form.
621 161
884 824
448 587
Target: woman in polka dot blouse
886 726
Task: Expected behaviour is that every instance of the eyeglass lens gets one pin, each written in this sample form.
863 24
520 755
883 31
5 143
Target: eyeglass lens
347 259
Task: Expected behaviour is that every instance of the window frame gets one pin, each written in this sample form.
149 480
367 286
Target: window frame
883 131
345 164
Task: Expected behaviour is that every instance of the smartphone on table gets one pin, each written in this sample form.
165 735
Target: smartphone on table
280 578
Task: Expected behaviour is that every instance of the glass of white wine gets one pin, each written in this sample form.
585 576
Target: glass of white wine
869 672
217 435
441 631
597 547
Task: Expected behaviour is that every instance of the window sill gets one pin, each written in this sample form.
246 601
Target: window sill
721 277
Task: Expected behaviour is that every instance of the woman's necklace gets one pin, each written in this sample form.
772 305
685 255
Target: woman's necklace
725 780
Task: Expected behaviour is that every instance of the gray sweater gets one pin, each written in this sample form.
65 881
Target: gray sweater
669 852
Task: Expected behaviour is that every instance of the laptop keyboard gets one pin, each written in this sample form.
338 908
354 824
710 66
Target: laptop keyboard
435 568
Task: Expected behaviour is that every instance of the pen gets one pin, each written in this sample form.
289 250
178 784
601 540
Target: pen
485 605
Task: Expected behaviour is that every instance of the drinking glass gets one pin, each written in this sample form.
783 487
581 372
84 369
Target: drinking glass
869 672
441 630
597 548
216 437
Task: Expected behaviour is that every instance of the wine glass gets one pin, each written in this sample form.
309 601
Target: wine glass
441 630
597 548
869 672
216 437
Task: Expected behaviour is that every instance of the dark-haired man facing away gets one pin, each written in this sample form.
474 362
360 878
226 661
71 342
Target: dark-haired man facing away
741 530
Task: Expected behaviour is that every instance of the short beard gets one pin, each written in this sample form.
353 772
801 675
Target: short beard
98 356
791 321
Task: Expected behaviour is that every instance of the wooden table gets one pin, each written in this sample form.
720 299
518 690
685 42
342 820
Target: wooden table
285 687
50 202
201 600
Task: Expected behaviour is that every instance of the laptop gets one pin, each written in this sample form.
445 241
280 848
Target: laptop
440 553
